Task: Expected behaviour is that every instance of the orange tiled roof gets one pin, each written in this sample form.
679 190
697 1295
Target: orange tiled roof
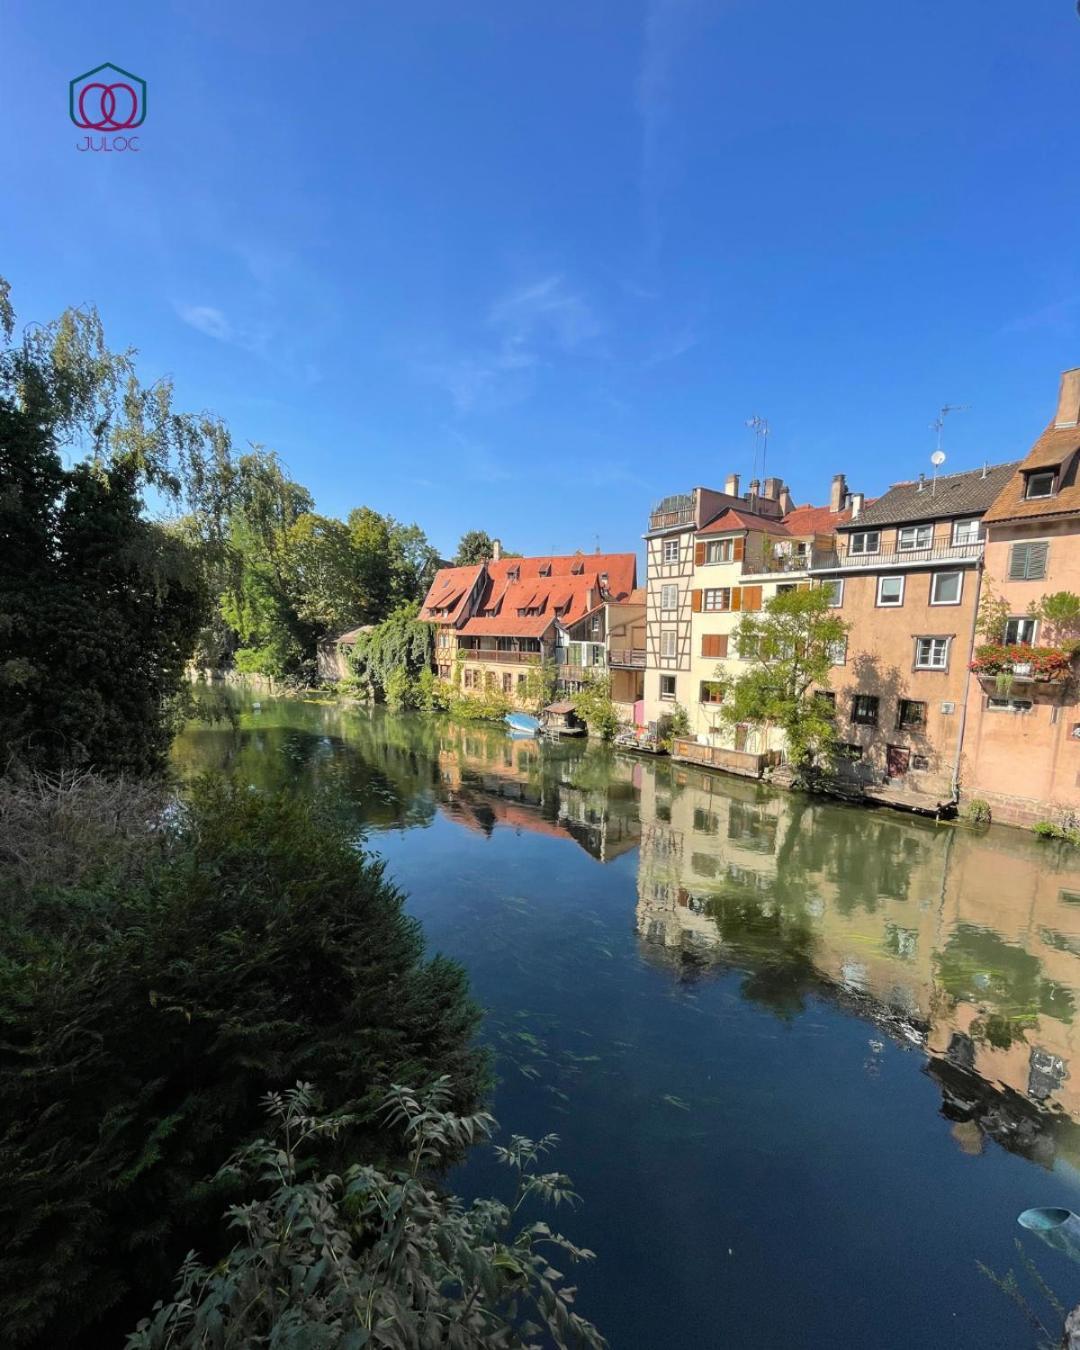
731 519
450 585
809 519
1055 446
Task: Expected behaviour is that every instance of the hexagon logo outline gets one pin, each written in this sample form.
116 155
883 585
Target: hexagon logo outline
120 106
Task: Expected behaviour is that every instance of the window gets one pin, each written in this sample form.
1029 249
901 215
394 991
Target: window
1019 632
838 652
714 644
931 653
785 587
669 597
1041 484
890 592
522 679
915 536
850 750
835 591
468 679
667 686
717 599
1008 705
712 691
671 550
444 639
910 713
596 622
1027 562
504 644
667 642
946 588
719 550
966 531
866 541
920 762
508 683
864 709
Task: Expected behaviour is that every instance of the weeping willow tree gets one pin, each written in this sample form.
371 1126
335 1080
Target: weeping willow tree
391 659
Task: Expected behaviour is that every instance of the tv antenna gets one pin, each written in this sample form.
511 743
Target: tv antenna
760 427
937 459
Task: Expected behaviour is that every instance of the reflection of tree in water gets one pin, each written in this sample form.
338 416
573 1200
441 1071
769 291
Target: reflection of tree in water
774 940
977 966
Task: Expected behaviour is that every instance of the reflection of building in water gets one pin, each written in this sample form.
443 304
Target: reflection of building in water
583 793
967 944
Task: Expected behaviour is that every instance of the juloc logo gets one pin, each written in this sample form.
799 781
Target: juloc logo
107 99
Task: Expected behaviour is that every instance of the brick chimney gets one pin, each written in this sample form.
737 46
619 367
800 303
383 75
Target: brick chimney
1068 412
838 493
496 550
771 490
731 485
786 504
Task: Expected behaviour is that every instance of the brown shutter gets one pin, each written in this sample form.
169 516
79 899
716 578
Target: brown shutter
699 554
714 645
736 597
695 601
804 585
739 551
722 640
751 597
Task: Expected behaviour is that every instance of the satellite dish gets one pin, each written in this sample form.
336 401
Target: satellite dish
937 459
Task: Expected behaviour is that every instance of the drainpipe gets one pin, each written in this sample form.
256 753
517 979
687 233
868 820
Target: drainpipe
967 684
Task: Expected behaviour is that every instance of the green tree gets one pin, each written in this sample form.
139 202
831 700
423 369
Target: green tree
792 644
596 707
145 1014
474 546
391 658
378 1256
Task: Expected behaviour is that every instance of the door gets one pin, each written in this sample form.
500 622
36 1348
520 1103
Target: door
897 760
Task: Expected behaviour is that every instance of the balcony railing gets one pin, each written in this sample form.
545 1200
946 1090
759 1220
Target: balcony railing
897 557
666 520
627 658
488 654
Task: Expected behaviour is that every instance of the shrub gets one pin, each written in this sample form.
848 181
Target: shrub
1067 830
377 1257
145 1018
595 706
977 812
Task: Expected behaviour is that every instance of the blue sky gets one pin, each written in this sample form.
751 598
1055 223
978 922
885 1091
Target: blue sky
530 266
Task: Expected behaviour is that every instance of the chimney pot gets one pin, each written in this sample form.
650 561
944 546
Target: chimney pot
856 505
771 489
838 492
786 503
731 485
755 487
496 550
1068 412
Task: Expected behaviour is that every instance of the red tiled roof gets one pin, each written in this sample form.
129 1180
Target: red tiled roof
508 624
621 569
809 519
451 584
1053 448
730 519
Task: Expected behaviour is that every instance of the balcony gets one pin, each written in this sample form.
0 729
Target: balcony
489 654
1020 664
627 658
844 559
672 511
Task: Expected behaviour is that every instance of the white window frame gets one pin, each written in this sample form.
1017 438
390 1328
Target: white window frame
865 534
724 547
1021 641
935 577
669 589
1040 473
671 550
836 587
674 689
673 643
932 665
975 521
891 604
707 608
908 538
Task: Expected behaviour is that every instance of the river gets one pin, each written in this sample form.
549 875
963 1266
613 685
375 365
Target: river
807 1062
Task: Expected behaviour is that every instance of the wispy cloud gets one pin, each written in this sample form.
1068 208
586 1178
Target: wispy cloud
671 346
523 330
206 319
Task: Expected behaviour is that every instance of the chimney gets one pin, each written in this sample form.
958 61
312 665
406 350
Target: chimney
496 550
731 485
838 492
922 482
786 504
1068 412
590 599
856 505
772 489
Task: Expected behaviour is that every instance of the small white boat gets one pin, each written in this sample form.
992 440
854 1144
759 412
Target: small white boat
522 722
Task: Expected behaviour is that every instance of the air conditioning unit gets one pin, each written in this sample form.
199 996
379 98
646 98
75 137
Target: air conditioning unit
948 709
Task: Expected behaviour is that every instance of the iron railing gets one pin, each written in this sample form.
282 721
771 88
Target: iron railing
896 557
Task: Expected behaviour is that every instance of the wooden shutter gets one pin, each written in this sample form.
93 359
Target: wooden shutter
1036 560
699 554
695 601
804 586
736 597
1018 562
751 597
714 645
739 551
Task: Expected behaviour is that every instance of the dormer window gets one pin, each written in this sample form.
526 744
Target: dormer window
545 569
577 569
514 574
1041 484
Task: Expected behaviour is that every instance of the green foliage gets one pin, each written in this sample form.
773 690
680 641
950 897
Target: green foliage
474 546
977 812
483 705
146 1011
391 658
373 1256
594 705
1067 830
541 681
791 644
674 722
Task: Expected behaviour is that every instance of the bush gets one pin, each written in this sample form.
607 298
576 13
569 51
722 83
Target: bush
375 1257
1067 830
595 706
145 1018
977 812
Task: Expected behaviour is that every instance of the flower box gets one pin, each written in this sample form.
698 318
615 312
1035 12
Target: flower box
1052 665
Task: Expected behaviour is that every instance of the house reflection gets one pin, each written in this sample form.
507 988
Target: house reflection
965 944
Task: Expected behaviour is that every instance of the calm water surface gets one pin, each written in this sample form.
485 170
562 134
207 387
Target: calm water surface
807 1062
